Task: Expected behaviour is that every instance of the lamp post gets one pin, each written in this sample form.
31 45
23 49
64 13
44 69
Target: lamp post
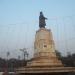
6 69
8 53
24 53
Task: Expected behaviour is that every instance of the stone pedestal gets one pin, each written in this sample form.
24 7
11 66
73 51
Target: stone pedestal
44 50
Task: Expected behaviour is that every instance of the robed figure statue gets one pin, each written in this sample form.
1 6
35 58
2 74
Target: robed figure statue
42 22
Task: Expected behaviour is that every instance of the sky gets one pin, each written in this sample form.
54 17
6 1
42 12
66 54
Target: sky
19 21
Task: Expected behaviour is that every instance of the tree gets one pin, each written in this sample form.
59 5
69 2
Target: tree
58 54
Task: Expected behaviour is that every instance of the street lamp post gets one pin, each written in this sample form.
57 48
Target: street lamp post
24 53
7 70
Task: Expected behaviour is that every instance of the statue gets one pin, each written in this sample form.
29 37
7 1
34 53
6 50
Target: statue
42 22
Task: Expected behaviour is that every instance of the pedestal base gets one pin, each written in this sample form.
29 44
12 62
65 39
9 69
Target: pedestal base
45 70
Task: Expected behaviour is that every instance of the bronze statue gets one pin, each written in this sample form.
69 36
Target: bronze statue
42 22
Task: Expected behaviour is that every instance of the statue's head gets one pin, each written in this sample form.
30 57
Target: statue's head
41 13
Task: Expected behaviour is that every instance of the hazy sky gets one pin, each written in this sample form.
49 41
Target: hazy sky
19 21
